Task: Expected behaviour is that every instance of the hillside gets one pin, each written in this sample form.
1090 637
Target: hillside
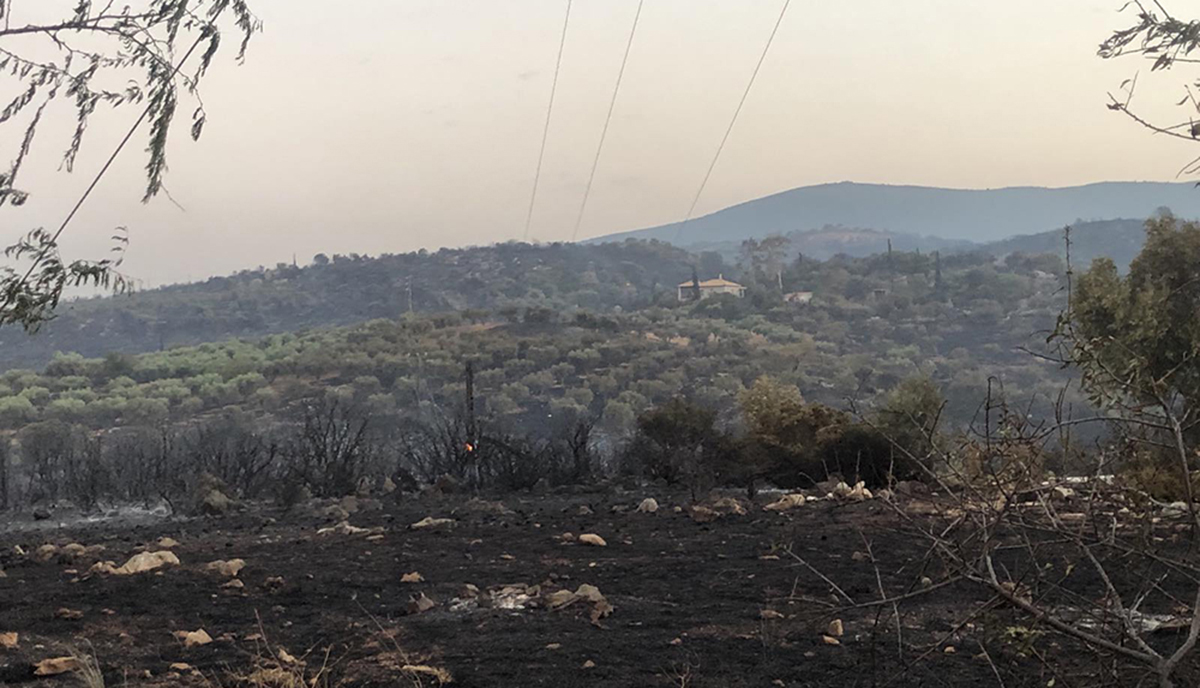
1120 240
958 214
344 290
873 323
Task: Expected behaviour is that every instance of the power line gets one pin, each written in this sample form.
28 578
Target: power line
537 175
607 120
100 175
733 121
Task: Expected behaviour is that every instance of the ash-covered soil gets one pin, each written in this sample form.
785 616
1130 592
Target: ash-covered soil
685 604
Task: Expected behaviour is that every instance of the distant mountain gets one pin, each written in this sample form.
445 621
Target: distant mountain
1120 240
958 214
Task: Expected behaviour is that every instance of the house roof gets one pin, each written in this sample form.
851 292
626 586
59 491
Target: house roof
708 284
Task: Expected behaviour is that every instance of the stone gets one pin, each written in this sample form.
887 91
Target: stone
836 629
56 666
770 615
786 503
167 543
649 505
420 603
194 638
430 522
413 577
227 569
593 540
41 515
138 563
9 640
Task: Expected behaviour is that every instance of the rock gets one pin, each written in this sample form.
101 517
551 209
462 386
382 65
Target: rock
9 640
703 514
560 598
71 552
344 528
431 522
513 597
420 603
215 503
45 553
413 577
167 543
589 664
56 666
235 584
274 582
649 505
1063 493
227 569
857 493
68 614
593 540
860 557
194 638
349 504
770 615
786 502
836 629
389 486
180 666
830 641
926 582
41 515
138 563
469 591
584 510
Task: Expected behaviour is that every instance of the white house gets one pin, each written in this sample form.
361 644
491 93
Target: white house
720 285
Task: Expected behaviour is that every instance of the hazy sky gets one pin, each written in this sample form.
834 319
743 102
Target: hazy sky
388 125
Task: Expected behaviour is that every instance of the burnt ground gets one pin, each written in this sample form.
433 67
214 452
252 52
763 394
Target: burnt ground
689 600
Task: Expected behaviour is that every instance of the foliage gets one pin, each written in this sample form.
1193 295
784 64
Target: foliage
678 443
75 58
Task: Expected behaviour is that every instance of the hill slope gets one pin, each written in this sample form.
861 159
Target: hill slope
1120 240
971 215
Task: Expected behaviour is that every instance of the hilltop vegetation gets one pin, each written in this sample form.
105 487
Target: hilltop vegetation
352 289
557 332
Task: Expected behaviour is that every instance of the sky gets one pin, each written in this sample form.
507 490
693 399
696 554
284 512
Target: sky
386 126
